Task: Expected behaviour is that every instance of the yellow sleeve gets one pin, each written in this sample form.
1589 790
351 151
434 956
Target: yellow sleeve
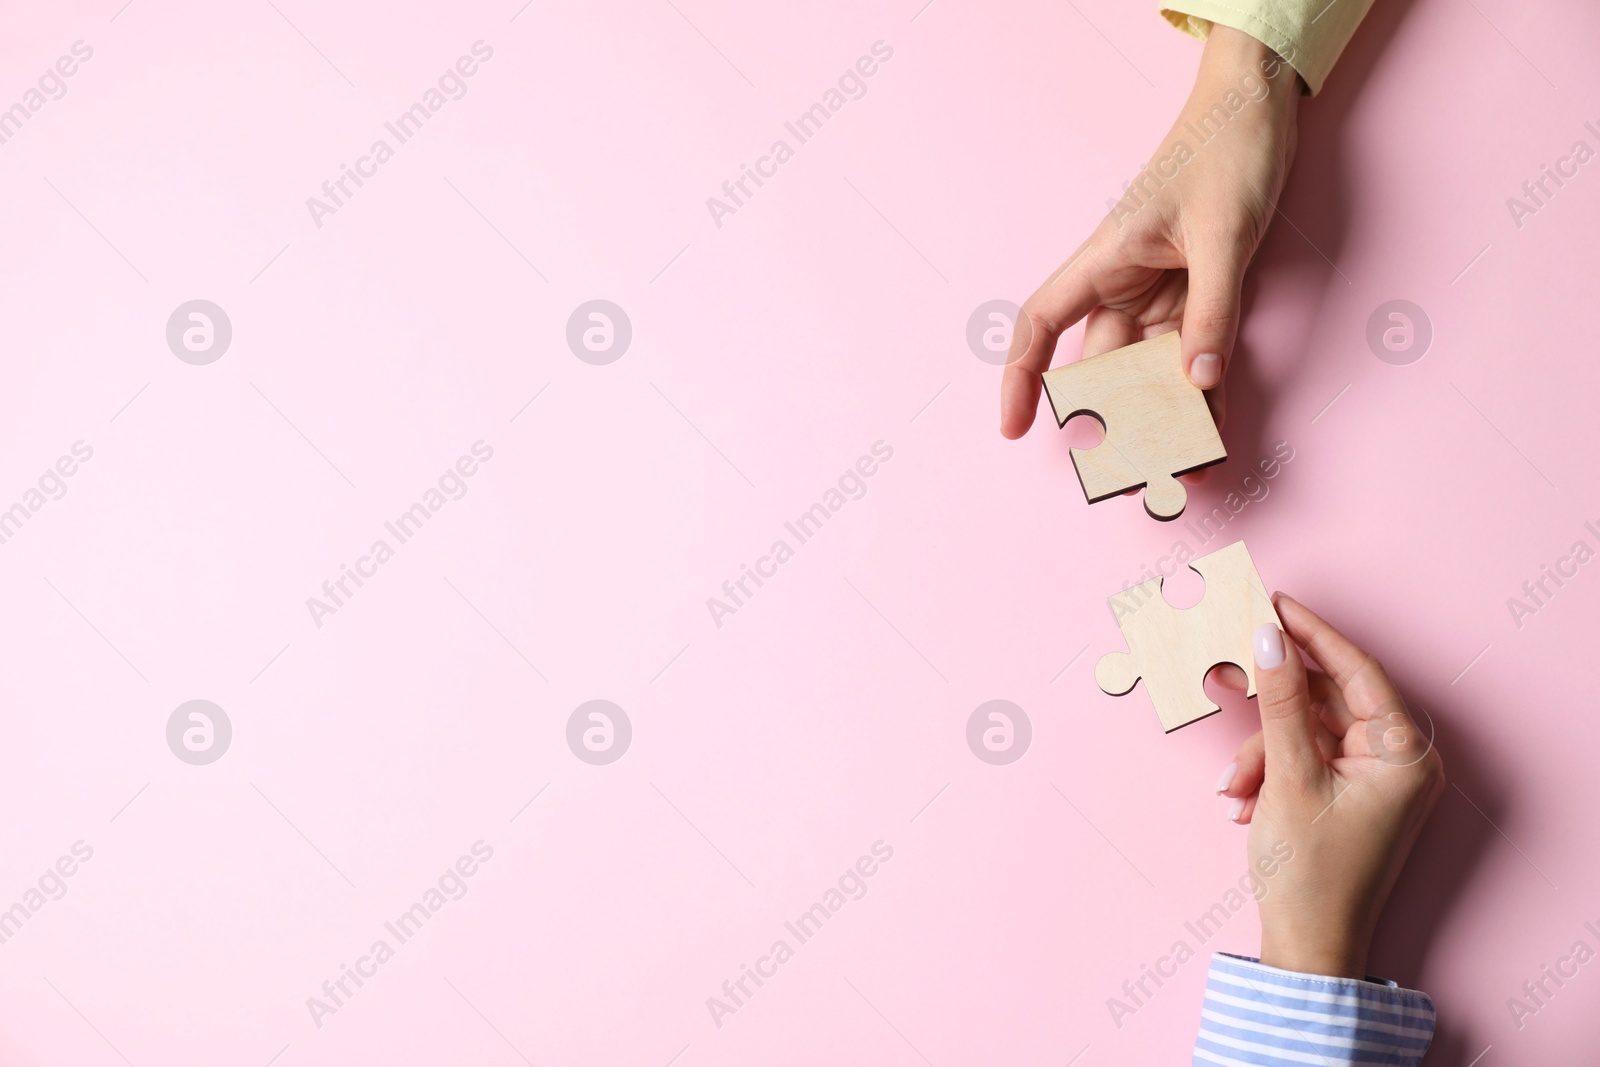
1309 34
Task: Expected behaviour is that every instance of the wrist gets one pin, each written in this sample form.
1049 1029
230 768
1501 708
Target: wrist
1234 59
1324 950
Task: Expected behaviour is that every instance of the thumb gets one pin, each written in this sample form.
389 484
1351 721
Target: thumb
1070 294
1211 311
1288 727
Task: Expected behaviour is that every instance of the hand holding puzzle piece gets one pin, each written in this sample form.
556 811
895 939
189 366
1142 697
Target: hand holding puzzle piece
1156 421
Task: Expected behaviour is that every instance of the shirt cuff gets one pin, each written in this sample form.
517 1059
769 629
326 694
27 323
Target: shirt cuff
1260 1016
1308 34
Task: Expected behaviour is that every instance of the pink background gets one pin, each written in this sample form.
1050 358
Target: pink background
768 354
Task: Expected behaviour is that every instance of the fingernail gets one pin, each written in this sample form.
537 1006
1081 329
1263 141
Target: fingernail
1227 776
1235 810
1268 645
1206 370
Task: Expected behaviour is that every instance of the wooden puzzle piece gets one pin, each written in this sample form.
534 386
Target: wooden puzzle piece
1171 649
1156 421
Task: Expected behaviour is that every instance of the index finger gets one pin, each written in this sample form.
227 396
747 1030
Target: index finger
1365 684
1069 295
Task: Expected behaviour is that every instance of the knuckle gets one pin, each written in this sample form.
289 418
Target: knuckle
1125 237
1433 770
1317 700
1212 312
1281 698
1135 240
1228 233
1034 323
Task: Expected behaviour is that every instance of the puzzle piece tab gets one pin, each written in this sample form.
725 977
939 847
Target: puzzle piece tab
1156 421
1171 649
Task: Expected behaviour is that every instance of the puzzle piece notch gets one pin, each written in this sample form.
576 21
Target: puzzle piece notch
1172 649
1156 422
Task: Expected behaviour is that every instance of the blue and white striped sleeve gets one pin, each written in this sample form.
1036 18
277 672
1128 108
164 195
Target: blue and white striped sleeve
1260 1016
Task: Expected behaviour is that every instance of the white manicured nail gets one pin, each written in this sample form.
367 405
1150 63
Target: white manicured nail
1267 643
1206 370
